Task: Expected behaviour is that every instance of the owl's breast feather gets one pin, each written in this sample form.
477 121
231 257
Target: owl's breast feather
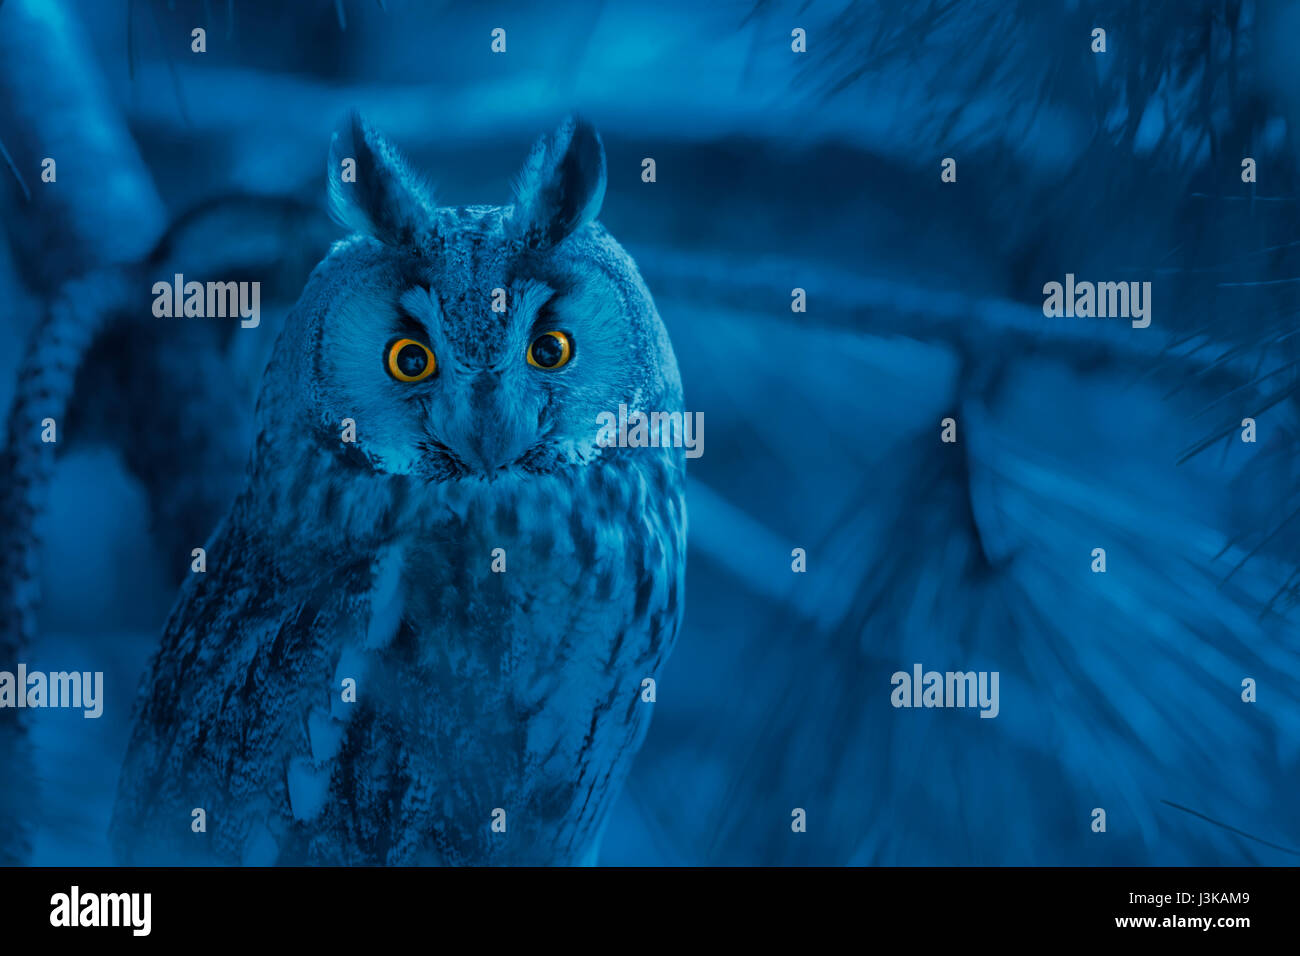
477 684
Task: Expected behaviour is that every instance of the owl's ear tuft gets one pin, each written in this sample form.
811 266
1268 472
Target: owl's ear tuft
371 188
561 185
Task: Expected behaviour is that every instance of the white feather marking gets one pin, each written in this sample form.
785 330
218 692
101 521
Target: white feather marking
308 788
387 599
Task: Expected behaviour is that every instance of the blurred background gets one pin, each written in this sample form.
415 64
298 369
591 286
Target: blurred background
776 170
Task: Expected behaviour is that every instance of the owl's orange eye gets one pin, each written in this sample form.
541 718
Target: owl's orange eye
409 361
550 350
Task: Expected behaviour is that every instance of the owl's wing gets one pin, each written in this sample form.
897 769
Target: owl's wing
187 452
245 664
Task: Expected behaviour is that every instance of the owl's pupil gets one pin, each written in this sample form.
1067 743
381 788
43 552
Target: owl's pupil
411 360
547 351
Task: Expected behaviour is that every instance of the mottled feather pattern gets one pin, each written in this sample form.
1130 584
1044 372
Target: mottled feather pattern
494 671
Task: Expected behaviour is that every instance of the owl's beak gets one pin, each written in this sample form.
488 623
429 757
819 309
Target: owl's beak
493 447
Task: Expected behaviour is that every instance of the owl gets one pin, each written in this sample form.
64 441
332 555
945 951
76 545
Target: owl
426 622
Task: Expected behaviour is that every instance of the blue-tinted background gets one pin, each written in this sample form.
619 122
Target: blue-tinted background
775 170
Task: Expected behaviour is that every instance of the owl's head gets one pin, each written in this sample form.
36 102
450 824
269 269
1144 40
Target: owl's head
476 341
